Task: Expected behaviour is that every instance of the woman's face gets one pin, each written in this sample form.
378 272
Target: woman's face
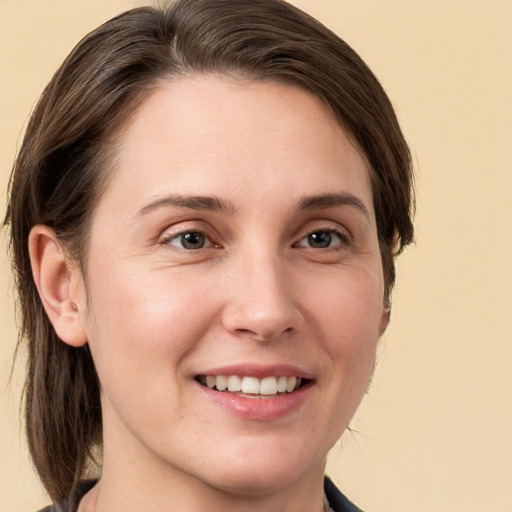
235 246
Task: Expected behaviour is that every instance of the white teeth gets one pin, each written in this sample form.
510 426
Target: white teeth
282 383
252 385
292 381
222 382
268 385
234 383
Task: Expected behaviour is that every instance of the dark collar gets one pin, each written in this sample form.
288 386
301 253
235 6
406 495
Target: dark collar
338 501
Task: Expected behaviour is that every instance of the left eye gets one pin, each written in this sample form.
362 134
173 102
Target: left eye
322 239
190 240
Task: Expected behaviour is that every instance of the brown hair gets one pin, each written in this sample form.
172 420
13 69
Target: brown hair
62 166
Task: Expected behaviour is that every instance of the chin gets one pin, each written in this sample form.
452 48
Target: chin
265 473
257 483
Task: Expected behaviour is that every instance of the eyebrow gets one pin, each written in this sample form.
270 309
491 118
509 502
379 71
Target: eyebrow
217 204
192 202
330 200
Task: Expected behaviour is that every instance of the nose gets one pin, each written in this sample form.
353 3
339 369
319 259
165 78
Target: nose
262 301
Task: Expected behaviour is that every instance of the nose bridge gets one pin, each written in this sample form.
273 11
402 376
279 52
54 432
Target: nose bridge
261 299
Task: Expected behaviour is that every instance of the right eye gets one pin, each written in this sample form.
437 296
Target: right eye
189 240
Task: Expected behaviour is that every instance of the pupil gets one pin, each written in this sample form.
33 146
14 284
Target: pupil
320 239
192 240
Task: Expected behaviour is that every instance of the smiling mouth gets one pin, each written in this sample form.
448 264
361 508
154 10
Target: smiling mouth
252 387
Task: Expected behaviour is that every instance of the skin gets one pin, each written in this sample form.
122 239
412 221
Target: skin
157 314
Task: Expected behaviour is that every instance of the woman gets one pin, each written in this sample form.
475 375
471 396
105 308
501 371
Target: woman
205 213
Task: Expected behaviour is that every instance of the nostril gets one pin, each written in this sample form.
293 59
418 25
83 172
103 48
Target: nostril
265 334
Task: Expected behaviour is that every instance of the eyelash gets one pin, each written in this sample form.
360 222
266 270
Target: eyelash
343 239
177 236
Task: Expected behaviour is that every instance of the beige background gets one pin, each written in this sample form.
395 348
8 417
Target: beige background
435 432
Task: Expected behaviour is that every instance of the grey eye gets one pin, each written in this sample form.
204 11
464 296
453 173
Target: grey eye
190 240
321 239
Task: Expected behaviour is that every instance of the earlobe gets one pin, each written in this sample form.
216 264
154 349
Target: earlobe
58 282
385 319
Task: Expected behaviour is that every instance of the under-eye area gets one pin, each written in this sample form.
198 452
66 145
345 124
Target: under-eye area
252 387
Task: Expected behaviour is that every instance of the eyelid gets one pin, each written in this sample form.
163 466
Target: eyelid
183 228
332 226
322 230
178 236
343 239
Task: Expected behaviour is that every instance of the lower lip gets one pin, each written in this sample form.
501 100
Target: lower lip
258 409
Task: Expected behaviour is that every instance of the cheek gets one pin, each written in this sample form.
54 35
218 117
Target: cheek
349 311
349 304
344 313
141 324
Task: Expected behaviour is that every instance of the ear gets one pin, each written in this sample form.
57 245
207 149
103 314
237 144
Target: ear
384 319
60 285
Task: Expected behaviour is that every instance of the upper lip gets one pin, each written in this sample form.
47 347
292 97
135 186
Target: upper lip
258 370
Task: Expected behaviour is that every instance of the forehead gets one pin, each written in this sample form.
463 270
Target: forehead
204 134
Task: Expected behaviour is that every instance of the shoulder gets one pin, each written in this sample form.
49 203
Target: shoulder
338 501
